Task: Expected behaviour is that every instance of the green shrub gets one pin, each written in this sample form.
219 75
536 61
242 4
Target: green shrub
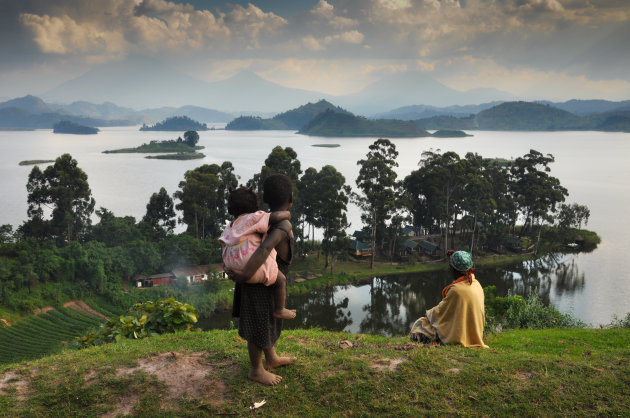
619 322
514 311
143 320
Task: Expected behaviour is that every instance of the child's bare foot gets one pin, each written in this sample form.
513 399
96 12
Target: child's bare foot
279 362
264 377
284 313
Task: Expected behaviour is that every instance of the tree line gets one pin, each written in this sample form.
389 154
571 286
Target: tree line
467 201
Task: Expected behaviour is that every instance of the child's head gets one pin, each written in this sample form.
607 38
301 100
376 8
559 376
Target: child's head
277 191
242 200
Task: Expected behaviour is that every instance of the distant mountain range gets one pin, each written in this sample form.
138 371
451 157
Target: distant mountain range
32 112
527 116
141 83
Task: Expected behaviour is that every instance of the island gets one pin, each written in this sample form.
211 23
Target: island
333 124
326 145
68 127
35 162
293 119
176 123
173 146
177 156
450 133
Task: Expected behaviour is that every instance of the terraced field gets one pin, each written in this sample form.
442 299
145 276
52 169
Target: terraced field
43 334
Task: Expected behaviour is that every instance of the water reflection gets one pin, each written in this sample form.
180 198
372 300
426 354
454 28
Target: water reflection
389 305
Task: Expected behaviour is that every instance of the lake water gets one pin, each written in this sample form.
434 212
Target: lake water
593 166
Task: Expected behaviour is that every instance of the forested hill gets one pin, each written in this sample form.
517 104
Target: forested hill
525 116
297 118
293 119
176 123
330 123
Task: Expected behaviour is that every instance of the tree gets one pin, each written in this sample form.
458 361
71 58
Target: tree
64 189
160 212
536 192
191 138
202 196
377 181
332 195
573 215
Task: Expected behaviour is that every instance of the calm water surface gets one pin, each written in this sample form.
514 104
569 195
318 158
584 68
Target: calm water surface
593 166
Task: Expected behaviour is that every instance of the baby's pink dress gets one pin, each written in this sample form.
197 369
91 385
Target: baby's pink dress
241 239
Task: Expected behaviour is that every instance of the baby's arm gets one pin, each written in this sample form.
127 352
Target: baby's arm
279 216
259 256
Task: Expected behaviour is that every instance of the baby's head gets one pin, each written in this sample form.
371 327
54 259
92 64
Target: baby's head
242 200
278 192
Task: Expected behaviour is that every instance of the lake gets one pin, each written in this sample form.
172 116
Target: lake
593 166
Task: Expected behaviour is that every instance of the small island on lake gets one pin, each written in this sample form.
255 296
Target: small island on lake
35 162
177 156
450 133
326 145
176 123
68 127
178 146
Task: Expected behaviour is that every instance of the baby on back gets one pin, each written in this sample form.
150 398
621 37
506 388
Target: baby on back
243 236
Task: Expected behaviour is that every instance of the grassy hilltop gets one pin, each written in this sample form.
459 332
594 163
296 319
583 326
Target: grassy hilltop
524 373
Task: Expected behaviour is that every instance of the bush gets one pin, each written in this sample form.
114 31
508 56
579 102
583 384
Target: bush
619 322
515 311
143 320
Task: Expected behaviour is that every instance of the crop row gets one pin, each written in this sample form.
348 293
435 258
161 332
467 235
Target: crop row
43 334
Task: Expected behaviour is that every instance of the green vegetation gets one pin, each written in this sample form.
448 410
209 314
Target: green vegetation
335 124
178 156
448 122
143 320
254 123
326 145
43 334
176 123
555 372
449 133
35 162
68 127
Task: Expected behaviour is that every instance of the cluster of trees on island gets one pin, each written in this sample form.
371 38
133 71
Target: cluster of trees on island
482 199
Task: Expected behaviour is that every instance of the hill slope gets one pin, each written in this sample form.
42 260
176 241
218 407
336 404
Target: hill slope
334 124
524 373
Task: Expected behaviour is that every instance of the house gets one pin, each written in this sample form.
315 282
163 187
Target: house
429 248
196 274
406 248
410 231
159 279
359 249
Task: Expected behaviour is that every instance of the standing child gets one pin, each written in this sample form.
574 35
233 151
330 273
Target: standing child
243 236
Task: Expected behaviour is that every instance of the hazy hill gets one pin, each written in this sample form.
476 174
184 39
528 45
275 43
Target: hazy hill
412 88
107 110
29 103
67 127
176 123
448 122
255 123
415 112
194 112
587 107
144 83
334 124
527 116
13 117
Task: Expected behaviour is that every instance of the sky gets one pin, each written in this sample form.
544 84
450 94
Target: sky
535 49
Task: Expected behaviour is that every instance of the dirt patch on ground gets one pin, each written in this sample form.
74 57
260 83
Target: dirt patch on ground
43 310
183 374
15 381
387 364
525 375
79 306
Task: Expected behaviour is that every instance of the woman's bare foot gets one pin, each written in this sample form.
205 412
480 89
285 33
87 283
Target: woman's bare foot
279 362
264 377
284 313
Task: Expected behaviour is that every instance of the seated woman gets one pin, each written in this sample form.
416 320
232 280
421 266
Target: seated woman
460 317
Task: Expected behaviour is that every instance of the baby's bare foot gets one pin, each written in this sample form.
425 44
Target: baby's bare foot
264 377
279 362
285 313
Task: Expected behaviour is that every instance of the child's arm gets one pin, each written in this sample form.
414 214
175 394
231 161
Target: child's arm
278 216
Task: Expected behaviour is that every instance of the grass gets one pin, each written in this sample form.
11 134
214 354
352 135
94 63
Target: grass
524 373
